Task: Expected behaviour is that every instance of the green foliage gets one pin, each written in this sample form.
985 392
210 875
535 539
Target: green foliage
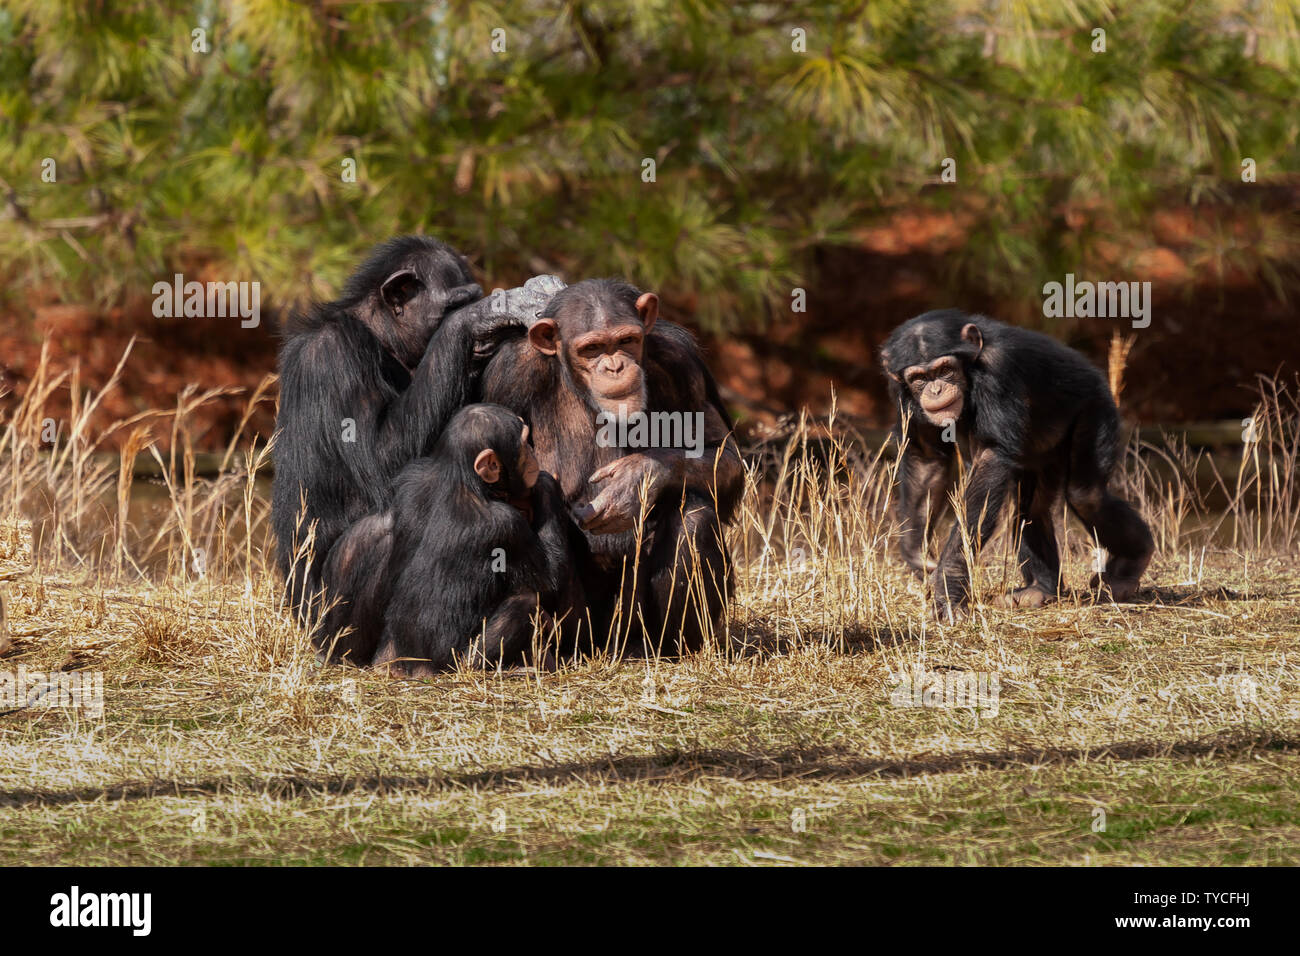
531 158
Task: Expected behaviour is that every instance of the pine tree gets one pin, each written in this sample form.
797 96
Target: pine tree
217 135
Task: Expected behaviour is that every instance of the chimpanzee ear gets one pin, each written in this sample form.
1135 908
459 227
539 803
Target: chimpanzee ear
887 363
647 306
970 333
488 466
399 289
542 336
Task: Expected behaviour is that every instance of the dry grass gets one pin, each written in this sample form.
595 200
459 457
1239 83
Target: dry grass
1175 719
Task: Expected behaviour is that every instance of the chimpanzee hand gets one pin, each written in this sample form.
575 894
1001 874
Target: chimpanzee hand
618 505
950 612
504 313
483 326
949 597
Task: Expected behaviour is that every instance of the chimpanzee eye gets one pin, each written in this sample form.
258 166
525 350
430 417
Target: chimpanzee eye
628 342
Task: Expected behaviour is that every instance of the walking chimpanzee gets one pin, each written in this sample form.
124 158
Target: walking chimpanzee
598 356
1029 414
478 542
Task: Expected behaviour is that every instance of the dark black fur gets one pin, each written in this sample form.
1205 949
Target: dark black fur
1039 418
447 601
382 356
657 613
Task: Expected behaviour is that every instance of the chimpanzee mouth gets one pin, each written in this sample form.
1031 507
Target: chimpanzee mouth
946 410
621 393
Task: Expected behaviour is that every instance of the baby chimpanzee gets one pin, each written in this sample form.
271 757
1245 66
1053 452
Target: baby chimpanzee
1029 414
480 543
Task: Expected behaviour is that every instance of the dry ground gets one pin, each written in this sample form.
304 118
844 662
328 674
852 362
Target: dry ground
1162 731
1178 719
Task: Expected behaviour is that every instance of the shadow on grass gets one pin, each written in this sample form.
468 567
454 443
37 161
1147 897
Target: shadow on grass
1154 596
1193 596
761 640
668 766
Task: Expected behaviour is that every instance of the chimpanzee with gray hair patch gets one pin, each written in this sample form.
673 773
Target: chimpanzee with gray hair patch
599 351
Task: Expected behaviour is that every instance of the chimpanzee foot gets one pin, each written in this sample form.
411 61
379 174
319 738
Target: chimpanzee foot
949 597
950 612
406 670
1032 596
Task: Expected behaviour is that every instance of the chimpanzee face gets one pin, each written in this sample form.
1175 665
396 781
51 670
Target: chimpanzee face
406 289
601 340
932 357
939 387
608 361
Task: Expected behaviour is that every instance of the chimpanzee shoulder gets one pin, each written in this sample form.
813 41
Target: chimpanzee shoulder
326 336
1026 362
677 377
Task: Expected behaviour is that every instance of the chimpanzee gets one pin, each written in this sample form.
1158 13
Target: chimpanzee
365 387
354 597
595 358
1028 413
476 543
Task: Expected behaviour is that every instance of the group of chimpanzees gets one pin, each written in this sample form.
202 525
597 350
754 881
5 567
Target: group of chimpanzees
415 528
440 488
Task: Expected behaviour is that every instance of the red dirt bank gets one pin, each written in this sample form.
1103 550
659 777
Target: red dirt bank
1198 360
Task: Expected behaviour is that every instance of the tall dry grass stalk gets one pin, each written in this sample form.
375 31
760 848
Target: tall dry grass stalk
813 542
81 500
6 641
1267 473
1117 361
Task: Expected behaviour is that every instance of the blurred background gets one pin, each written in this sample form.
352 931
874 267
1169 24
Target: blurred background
794 147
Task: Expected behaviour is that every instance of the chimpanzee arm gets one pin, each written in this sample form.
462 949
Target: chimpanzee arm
987 486
345 399
718 471
925 473
404 424
717 474
537 567
563 547
553 532
441 384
